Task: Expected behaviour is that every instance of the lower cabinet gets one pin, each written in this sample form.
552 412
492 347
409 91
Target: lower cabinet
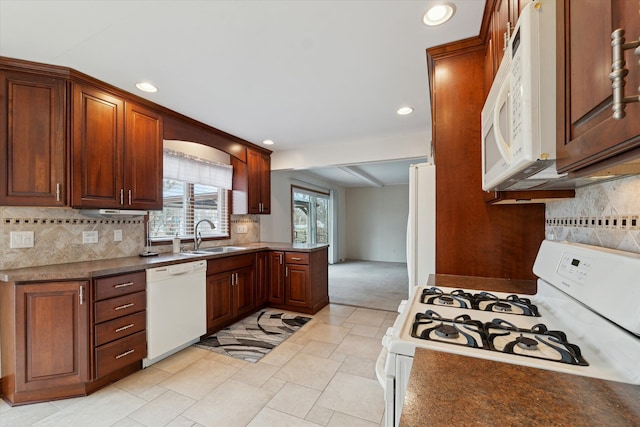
230 290
120 322
45 351
299 280
262 278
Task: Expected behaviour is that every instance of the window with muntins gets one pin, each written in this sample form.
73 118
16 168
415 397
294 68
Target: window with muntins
193 190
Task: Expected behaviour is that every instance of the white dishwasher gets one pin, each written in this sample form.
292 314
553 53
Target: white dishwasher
176 308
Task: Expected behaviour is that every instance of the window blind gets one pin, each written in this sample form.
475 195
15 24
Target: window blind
182 167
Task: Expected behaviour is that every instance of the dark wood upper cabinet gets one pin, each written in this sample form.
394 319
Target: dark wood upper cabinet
143 157
588 133
117 155
97 147
259 182
32 143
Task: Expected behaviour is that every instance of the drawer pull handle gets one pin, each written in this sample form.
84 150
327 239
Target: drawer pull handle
124 328
295 258
122 307
126 353
619 72
123 285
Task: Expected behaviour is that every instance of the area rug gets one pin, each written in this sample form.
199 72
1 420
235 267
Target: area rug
255 336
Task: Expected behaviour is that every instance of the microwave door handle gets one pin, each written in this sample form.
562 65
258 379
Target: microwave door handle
503 97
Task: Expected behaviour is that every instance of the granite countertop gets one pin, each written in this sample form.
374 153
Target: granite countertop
106 267
446 389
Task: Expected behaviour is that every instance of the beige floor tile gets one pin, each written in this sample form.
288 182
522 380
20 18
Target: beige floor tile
319 348
231 404
273 385
294 400
309 371
163 409
327 333
255 374
103 408
354 395
272 418
359 366
181 421
366 316
24 416
181 360
142 380
341 420
368 348
152 392
128 422
199 378
320 415
280 355
364 330
338 356
338 310
299 338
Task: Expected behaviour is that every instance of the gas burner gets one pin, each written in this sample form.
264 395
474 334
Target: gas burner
456 298
445 300
461 330
447 331
502 306
537 342
512 304
526 343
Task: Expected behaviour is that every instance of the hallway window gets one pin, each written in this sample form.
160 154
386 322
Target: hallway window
310 216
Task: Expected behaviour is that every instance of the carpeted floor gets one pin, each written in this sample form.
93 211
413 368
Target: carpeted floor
369 284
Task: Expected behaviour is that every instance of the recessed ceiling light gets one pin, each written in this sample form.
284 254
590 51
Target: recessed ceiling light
403 111
146 86
267 142
439 14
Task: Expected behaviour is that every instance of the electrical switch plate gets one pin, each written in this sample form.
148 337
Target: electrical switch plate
21 239
117 235
89 237
241 229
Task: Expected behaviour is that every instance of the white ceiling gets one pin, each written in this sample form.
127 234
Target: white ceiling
301 73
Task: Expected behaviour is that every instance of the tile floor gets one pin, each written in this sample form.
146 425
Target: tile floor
323 375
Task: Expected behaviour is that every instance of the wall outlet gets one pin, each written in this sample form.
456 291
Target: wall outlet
21 239
241 229
117 235
89 237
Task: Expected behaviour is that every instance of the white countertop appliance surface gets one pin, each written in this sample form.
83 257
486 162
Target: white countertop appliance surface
584 319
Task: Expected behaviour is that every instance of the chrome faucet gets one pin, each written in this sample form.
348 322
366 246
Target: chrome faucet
198 236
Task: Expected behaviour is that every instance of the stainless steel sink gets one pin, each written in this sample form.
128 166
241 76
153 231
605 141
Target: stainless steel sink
216 250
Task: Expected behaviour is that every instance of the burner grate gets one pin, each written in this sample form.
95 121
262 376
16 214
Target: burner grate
484 301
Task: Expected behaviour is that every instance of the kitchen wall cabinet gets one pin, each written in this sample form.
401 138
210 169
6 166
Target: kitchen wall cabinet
231 284
33 143
117 153
501 240
259 182
301 282
590 133
119 336
45 330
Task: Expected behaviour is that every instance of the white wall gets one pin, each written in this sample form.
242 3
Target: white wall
377 223
277 226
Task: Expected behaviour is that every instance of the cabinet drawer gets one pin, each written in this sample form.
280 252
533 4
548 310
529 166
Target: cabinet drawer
296 258
120 327
114 286
236 262
117 354
121 306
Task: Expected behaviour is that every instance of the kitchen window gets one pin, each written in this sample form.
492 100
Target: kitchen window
193 189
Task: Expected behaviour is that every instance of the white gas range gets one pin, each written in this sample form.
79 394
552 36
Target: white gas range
584 319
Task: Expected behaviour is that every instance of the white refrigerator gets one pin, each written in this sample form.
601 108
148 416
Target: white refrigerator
421 225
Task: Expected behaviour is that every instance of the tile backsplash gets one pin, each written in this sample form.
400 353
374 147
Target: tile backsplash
58 236
606 214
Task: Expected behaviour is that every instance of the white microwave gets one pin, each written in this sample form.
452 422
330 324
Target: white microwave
519 115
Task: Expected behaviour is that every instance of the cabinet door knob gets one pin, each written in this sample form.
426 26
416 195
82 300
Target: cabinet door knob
619 72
